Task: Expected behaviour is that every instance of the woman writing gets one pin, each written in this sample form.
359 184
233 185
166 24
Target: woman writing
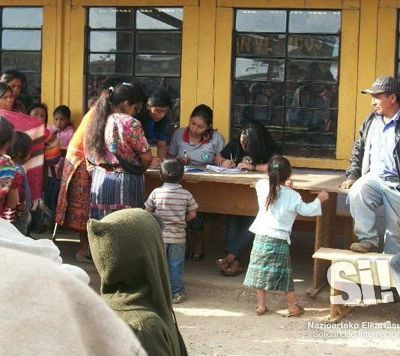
250 151
117 151
198 144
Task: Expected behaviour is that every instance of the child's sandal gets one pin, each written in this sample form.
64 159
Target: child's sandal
296 313
261 311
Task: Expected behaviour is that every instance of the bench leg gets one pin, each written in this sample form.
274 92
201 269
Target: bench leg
324 236
338 311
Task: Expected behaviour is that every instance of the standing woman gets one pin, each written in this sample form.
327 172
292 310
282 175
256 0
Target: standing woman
117 151
250 151
198 144
16 81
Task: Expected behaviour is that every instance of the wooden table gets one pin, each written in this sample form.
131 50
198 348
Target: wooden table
234 194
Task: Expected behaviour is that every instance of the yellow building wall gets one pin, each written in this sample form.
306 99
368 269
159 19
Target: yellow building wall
368 49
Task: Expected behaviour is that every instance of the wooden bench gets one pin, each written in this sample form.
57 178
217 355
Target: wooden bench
234 194
368 269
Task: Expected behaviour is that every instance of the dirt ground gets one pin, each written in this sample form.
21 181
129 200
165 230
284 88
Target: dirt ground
219 318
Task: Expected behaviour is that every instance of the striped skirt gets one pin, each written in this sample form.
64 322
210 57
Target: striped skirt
112 191
270 267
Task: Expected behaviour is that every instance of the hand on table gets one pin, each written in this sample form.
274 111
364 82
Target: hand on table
347 183
227 163
245 166
155 162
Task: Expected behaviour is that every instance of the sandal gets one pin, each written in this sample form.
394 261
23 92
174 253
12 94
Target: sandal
299 311
223 264
260 312
234 269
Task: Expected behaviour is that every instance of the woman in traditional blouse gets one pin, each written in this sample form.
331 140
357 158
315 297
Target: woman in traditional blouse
117 151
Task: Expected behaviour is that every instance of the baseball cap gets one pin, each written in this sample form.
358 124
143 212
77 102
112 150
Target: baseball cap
383 85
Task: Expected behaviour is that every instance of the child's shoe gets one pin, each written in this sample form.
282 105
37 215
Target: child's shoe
178 298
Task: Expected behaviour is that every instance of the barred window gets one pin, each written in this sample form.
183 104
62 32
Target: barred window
21 45
285 76
140 43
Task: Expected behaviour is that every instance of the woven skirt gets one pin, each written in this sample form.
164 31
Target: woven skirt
112 191
270 267
77 208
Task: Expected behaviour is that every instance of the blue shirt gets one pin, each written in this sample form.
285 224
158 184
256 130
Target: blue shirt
154 131
383 142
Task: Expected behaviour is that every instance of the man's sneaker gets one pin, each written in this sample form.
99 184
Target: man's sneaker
178 298
364 247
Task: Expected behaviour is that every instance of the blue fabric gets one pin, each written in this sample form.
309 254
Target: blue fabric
176 262
51 191
154 131
237 234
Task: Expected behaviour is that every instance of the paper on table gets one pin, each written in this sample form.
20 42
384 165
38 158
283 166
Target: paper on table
219 169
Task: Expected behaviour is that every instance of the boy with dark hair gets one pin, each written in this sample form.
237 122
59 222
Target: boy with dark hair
175 206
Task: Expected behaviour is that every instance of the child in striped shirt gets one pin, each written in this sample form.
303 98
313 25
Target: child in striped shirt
175 206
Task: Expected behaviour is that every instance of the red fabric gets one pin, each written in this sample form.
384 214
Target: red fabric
185 137
36 130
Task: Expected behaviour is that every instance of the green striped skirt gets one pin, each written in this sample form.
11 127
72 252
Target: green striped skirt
270 267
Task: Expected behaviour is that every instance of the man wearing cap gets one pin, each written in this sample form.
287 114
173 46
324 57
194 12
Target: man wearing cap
374 170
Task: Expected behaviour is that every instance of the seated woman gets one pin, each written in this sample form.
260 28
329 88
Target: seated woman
154 120
198 144
250 151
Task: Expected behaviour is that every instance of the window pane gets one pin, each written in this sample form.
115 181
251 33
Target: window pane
158 65
110 41
259 45
21 39
160 42
110 17
24 61
309 144
259 93
22 17
324 71
313 46
303 95
260 21
33 81
314 21
258 69
107 63
159 18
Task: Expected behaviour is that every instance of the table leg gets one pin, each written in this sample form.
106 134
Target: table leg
324 237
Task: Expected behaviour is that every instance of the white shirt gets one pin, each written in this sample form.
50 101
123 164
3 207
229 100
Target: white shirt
278 220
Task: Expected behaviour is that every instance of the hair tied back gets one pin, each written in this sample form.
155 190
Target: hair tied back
110 90
275 166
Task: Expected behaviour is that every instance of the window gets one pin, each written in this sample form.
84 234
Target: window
285 76
140 43
21 45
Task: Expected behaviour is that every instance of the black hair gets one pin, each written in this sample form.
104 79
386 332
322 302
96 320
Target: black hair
160 98
6 131
41 106
258 142
171 171
207 114
64 110
9 75
21 147
109 99
279 171
4 88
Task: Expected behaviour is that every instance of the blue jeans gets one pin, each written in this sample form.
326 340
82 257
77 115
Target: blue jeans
237 234
176 262
366 194
51 191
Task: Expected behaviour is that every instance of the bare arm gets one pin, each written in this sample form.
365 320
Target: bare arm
12 199
161 150
146 159
191 215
